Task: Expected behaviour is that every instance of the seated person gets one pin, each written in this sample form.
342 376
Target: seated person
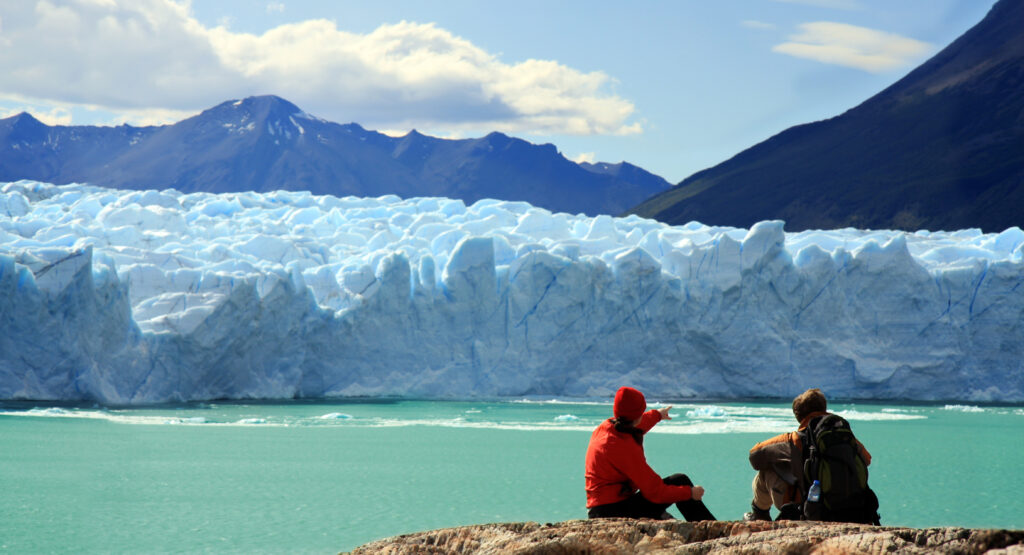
618 480
779 463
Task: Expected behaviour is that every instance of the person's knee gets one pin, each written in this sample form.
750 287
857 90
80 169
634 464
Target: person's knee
770 489
678 480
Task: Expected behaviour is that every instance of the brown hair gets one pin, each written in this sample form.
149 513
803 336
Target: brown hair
625 426
812 400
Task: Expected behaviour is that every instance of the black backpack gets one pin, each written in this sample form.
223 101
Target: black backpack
832 457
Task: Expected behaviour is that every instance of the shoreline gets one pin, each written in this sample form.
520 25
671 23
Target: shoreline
531 399
622 535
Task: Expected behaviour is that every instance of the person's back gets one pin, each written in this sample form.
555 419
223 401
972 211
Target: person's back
782 479
619 482
835 462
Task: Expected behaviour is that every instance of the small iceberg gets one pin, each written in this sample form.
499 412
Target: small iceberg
964 408
192 420
710 411
52 411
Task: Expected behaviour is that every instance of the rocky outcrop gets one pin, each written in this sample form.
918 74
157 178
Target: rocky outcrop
612 536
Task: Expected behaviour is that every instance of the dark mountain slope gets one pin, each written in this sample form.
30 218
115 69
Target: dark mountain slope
943 148
267 143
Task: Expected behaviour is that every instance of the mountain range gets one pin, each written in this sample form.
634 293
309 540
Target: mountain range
942 148
266 143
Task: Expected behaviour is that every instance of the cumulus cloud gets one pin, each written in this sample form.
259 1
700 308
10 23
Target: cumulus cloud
57 115
852 46
135 56
149 116
588 157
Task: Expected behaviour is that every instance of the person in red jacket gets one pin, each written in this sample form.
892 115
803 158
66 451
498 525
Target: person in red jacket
620 483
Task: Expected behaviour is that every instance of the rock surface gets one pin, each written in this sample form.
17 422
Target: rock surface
674 536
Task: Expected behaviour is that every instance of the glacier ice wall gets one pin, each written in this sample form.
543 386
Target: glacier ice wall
152 296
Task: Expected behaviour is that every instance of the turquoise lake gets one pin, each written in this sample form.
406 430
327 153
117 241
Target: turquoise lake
326 477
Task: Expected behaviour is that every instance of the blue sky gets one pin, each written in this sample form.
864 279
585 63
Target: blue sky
672 86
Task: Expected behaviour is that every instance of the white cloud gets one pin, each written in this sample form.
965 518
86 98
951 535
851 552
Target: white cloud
275 7
393 132
150 116
852 46
66 114
57 115
588 157
137 56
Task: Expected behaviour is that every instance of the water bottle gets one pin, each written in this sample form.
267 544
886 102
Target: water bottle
814 494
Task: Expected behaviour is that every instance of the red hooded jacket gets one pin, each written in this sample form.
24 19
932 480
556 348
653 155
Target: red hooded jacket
617 467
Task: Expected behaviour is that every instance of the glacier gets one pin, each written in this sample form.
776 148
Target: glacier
136 297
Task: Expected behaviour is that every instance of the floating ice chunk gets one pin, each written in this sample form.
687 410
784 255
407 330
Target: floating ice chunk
964 408
50 411
853 414
710 411
190 420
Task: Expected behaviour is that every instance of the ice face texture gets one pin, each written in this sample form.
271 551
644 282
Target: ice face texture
152 296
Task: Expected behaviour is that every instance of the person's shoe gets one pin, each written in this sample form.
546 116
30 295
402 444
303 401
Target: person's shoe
666 516
757 514
790 511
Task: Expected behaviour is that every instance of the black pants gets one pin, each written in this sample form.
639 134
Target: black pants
637 506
